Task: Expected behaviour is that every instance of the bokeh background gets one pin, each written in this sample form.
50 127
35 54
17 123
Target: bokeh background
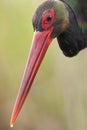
58 97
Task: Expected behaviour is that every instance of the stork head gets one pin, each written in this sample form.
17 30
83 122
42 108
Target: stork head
51 15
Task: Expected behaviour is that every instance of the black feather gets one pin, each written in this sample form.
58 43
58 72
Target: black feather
74 38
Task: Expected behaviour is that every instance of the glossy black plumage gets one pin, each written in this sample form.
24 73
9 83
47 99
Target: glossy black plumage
79 7
74 38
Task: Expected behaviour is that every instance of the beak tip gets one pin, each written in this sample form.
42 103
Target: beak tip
11 125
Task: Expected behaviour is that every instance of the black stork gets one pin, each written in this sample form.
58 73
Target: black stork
61 19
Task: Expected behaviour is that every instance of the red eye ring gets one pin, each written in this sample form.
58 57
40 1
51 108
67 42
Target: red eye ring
47 19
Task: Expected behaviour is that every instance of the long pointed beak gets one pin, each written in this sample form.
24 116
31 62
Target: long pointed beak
40 43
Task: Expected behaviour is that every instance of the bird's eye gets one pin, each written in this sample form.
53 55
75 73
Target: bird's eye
47 19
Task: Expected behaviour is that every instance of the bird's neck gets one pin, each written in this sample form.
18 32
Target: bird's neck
73 39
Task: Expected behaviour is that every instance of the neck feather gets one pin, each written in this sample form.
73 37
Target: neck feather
73 39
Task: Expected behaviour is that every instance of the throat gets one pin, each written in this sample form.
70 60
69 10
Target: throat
71 45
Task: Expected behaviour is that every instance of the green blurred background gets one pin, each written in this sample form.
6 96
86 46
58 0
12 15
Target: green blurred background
58 97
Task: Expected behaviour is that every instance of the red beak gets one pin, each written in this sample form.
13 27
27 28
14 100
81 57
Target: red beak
40 43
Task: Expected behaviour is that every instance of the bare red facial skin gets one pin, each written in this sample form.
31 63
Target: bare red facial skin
40 44
48 18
